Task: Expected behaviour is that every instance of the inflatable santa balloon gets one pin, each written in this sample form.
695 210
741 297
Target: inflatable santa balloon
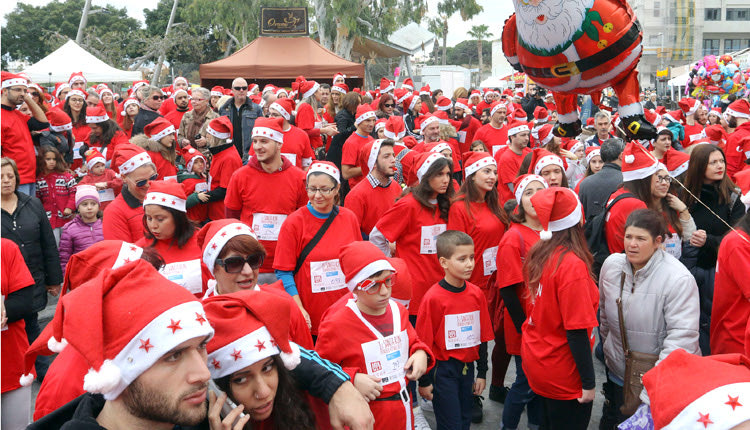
576 47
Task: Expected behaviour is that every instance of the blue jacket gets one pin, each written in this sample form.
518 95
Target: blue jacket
248 112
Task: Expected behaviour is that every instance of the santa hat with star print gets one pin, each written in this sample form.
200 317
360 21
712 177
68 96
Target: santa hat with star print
541 114
523 181
443 103
591 152
638 163
541 158
308 88
424 161
129 101
340 88
326 167
689 105
250 326
96 114
214 236
129 157
221 128
739 109
408 84
158 129
677 162
11 80
339 75
364 112
495 106
284 106
516 127
372 150
190 155
385 85
75 77
545 135
360 260
689 392
395 128
409 102
168 194
123 321
558 209
379 124
270 128
59 121
462 104
438 147
475 161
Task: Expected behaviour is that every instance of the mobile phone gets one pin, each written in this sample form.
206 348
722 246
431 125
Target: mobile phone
228 405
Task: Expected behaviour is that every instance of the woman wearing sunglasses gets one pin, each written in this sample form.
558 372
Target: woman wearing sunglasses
312 275
386 106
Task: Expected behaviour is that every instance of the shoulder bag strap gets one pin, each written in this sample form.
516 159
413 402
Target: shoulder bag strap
314 241
623 333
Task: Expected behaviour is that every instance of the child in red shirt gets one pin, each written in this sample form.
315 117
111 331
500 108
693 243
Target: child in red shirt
194 182
107 182
56 188
455 324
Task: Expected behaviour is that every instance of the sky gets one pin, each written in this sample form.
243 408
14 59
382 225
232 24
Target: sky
494 15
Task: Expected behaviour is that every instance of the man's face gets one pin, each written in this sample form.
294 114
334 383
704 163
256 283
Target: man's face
325 94
521 139
239 89
602 126
92 101
173 390
484 117
701 115
181 100
78 85
366 126
266 150
14 94
154 100
386 162
432 132
499 117
180 85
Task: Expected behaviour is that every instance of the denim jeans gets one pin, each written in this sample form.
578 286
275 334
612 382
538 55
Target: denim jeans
520 396
28 189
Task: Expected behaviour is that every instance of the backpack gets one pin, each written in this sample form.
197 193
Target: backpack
597 238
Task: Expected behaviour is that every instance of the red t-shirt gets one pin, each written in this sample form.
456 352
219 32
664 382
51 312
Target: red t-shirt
223 166
265 200
309 121
81 135
175 117
414 227
467 135
731 306
447 318
198 212
614 227
164 168
508 163
350 154
693 133
511 255
486 230
369 203
121 222
182 265
735 154
492 137
296 146
15 276
17 143
320 281
567 299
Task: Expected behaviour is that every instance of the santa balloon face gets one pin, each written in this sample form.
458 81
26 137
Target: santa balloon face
550 23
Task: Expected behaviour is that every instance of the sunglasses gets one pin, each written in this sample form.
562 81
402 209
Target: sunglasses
239 88
35 94
143 182
158 97
368 284
389 105
236 263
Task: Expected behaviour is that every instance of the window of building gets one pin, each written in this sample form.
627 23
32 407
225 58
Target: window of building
713 14
657 9
710 47
731 45
738 14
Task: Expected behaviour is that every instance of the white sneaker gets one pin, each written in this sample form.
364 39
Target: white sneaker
426 405
420 422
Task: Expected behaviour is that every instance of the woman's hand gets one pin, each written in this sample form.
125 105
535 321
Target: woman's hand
306 315
330 130
203 197
100 185
698 239
675 203
53 289
214 414
416 365
567 154
368 386
587 396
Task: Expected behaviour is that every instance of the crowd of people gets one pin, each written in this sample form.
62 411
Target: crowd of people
324 257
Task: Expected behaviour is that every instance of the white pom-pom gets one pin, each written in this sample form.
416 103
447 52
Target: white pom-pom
26 379
291 360
104 380
545 235
629 158
56 346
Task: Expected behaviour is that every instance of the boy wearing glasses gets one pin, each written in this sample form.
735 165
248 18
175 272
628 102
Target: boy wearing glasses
454 322
381 351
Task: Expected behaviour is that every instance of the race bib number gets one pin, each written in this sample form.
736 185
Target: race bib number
673 245
201 187
462 330
489 260
291 157
462 136
496 148
106 195
700 135
318 124
267 226
429 238
76 150
385 358
326 276
186 274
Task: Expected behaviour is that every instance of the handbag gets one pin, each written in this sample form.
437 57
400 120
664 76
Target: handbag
314 241
636 364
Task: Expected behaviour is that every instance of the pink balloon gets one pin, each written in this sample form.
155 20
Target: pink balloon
397 72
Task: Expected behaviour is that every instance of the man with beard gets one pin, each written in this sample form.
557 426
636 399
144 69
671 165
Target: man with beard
181 102
509 159
738 118
266 190
692 111
495 133
170 104
469 125
370 199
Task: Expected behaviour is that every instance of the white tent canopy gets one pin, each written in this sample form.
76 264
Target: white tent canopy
71 58
493 82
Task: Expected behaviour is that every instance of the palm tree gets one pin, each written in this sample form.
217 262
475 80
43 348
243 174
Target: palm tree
480 32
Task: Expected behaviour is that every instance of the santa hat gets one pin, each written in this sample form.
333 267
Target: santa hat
180 90
462 104
716 133
129 101
408 84
519 114
475 93
739 109
443 103
364 112
689 105
652 117
93 156
340 88
59 87
253 87
400 94
715 111
674 116
338 75
424 161
487 93
442 117
475 161
495 106
541 158
76 92
395 128
541 114
558 209
36 87
676 161
270 88
221 128
129 157
180 79
59 121
124 321
96 114
545 135
75 77
308 88
372 150
573 145
592 152
284 106
271 128
217 91
427 120
425 91
281 91
250 326
438 147
214 236
689 392
138 84
380 124
326 167
385 85
589 122
517 126
105 89
191 154
158 129
361 259
86 192
638 163
410 102
166 193
523 181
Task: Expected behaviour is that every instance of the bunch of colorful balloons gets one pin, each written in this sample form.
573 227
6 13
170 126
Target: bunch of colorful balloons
715 78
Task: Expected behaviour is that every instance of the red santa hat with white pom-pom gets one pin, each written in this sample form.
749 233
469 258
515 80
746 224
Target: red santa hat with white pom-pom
129 157
475 161
168 194
190 155
638 163
326 167
523 181
360 260
558 209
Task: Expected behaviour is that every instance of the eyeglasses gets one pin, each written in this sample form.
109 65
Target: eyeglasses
239 88
368 284
143 182
158 97
323 191
199 100
389 105
236 263
75 100
35 94
665 179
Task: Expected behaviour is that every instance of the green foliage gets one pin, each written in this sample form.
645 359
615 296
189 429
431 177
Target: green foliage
480 32
466 54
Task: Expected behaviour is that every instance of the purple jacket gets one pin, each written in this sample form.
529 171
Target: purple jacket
77 236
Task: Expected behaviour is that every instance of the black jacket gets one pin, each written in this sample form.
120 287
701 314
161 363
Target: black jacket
530 103
144 118
595 190
345 123
30 229
715 229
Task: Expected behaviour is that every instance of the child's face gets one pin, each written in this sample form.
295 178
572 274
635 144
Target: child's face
50 161
88 209
199 166
375 299
98 169
461 264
